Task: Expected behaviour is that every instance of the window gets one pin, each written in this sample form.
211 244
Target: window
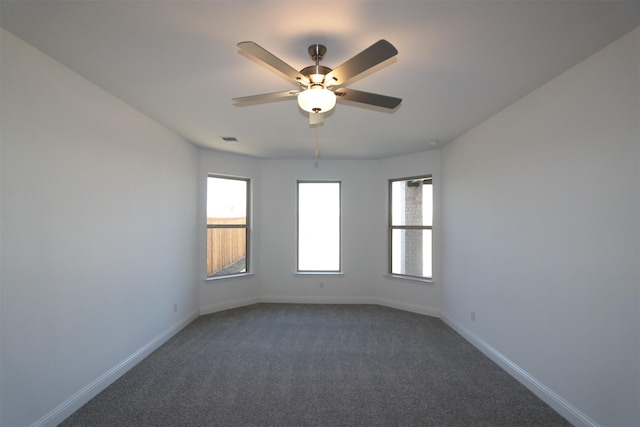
227 226
319 226
410 227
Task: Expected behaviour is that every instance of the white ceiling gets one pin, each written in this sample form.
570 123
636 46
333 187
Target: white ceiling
459 62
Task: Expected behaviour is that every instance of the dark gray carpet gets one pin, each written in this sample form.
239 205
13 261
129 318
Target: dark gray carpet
316 365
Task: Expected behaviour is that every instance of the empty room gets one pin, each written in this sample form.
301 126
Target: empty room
293 213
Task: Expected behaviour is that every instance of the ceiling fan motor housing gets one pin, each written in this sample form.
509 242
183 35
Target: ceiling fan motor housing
315 74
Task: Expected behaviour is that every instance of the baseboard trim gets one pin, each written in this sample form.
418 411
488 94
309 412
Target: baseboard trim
413 308
292 299
75 402
564 408
228 305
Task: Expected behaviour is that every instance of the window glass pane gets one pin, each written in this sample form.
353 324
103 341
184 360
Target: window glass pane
411 202
318 226
427 204
226 200
226 251
411 252
227 226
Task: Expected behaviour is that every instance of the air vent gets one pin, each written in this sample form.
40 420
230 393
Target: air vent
230 139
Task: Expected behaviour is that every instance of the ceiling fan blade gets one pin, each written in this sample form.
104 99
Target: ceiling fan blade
368 98
370 57
265 97
270 59
316 118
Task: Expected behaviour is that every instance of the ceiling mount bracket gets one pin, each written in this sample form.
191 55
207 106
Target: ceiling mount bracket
317 52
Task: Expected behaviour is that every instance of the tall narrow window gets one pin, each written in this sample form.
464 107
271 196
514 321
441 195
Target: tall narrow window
227 226
410 227
318 226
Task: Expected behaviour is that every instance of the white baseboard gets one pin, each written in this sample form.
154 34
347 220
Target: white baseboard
75 402
228 305
413 308
564 408
293 299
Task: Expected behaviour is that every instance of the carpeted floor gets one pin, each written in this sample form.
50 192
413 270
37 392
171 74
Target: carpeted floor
316 365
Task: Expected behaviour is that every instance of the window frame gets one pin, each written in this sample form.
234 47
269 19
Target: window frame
392 227
246 226
320 272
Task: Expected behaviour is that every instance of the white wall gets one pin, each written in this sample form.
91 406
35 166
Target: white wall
410 295
541 237
99 236
278 281
364 233
222 294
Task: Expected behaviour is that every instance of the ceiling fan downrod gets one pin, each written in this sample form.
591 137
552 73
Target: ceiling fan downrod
317 52
316 73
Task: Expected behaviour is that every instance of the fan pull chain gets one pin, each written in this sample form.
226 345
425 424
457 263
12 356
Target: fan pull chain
316 153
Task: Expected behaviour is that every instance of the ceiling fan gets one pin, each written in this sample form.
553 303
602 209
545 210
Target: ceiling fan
320 86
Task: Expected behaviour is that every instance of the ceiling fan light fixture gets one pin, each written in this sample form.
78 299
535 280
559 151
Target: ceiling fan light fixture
317 99
316 78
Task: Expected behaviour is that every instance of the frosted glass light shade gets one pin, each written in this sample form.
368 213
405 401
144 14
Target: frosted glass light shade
317 99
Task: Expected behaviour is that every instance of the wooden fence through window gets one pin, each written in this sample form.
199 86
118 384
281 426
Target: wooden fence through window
225 246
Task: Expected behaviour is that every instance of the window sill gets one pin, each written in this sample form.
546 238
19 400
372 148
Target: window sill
413 279
318 273
231 276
